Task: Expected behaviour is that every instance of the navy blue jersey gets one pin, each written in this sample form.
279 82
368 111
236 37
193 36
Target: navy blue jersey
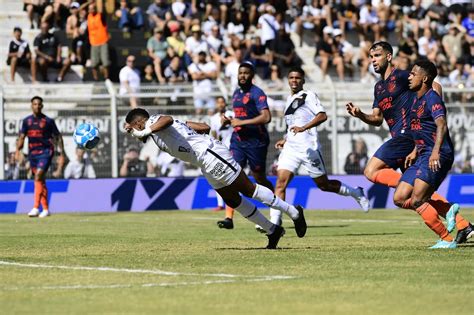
40 132
394 98
248 105
424 112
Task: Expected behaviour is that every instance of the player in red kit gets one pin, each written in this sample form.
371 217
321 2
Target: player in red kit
42 136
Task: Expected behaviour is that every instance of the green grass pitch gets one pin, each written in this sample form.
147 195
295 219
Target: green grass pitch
179 262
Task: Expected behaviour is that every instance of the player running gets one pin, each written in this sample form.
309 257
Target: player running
42 135
303 113
250 140
434 151
392 102
189 142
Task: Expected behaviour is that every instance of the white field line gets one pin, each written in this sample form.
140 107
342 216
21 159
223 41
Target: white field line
122 286
142 271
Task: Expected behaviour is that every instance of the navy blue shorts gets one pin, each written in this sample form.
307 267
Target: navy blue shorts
421 170
256 157
394 151
42 161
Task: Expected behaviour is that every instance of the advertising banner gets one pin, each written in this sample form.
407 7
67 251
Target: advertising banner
147 194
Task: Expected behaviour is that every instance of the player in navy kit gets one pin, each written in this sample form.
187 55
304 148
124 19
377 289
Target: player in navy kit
42 135
250 140
392 102
434 151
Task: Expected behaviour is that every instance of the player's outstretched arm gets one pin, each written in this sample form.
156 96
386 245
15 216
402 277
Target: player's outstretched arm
316 121
374 119
199 127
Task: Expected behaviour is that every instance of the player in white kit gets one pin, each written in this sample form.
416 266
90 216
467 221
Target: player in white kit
189 142
303 113
222 132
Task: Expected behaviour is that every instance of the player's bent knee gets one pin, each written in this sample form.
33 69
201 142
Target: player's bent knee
369 173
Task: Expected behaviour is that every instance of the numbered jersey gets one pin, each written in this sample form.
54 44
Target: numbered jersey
300 109
180 141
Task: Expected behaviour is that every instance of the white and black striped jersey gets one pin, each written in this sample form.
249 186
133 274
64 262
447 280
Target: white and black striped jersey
300 109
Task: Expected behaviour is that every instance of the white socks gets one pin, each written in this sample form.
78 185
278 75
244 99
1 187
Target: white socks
348 191
249 211
275 216
266 196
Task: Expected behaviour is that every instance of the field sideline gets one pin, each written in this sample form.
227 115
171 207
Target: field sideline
179 262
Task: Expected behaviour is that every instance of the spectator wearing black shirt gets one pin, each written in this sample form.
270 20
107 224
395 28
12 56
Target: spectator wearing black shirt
19 55
325 49
283 52
357 159
48 53
259 57
409 47
132 166
175 72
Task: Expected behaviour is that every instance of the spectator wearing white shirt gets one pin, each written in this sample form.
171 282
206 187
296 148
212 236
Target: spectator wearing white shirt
203 73
182 13
232 69
236 26
427 45
369 21
268 25
130 81
80 167
196 42
343 55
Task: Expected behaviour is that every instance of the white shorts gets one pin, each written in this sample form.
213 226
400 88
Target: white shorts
312 161
219 167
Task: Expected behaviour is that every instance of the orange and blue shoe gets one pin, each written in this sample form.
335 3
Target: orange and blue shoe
441 244
451 217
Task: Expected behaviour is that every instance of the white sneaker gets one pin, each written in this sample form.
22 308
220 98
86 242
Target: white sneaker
362 199
34 212
44 214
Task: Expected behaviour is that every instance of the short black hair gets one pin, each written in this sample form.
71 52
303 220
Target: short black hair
36 97
384 45
428 68
136 113
17 29
247 64
297 69
220 96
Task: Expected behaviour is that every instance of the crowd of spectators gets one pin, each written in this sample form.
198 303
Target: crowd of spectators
201 40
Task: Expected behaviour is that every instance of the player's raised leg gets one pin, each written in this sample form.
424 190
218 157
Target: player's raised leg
336 186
